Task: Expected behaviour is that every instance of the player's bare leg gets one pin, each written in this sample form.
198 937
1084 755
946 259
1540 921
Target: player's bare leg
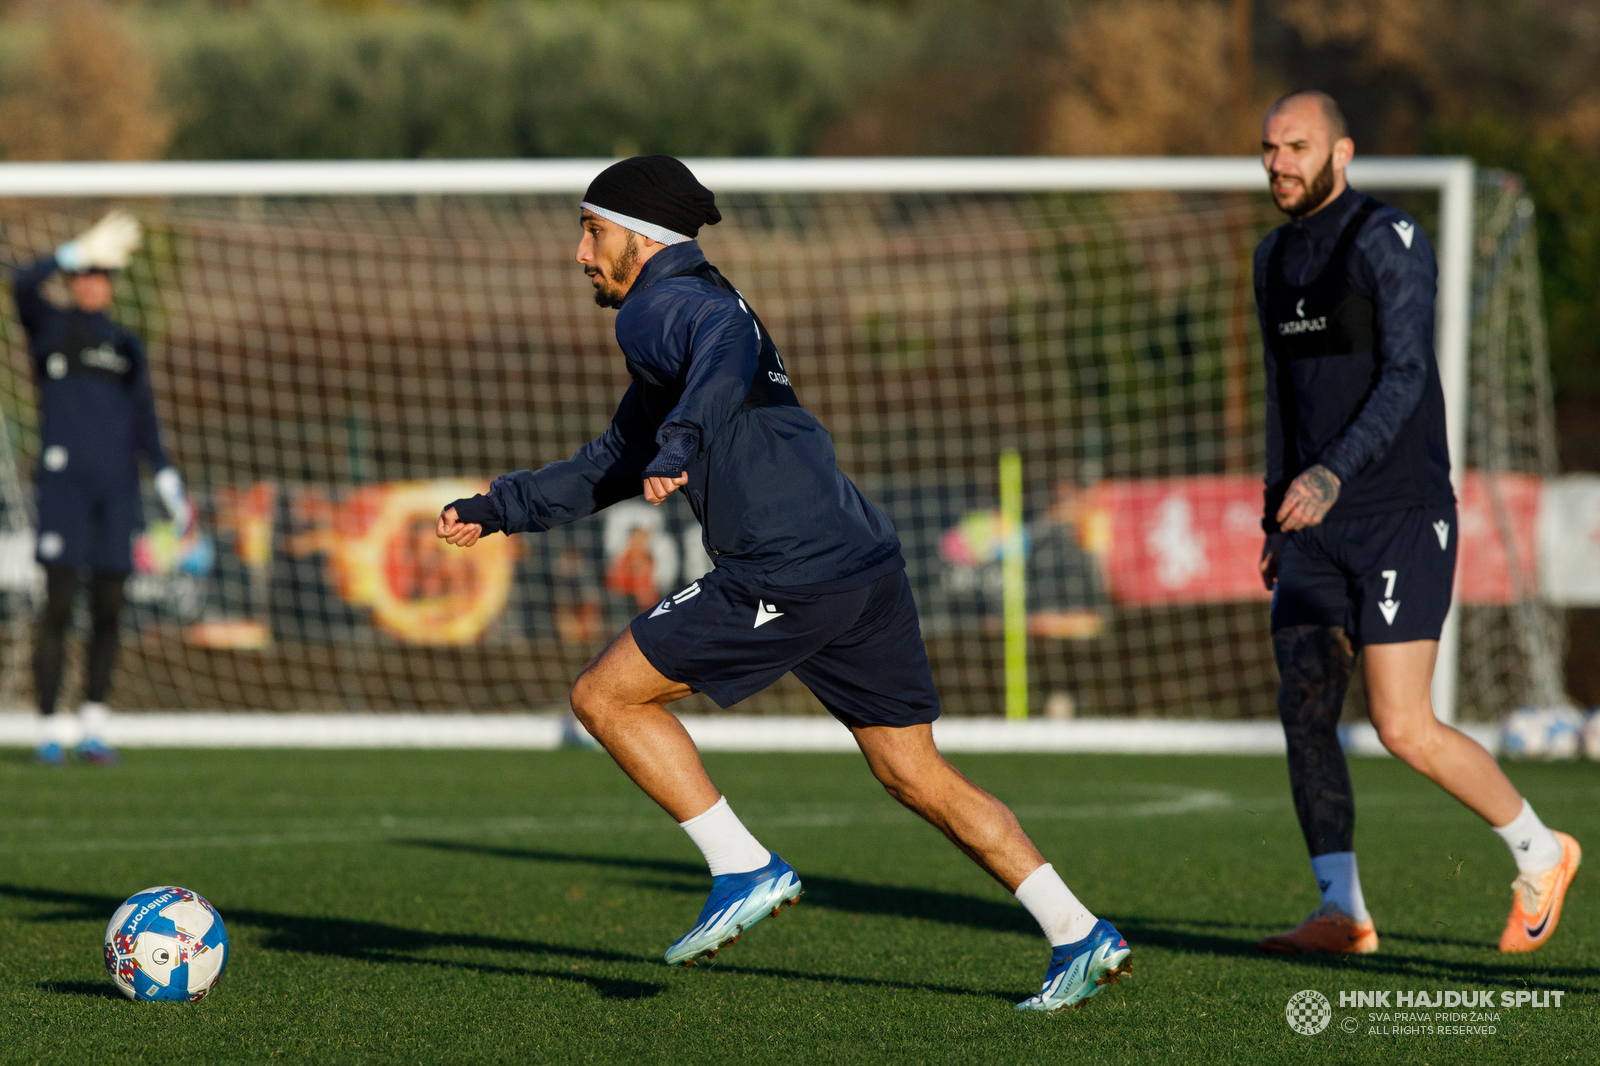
1399 679
1086 953
913 771
621 700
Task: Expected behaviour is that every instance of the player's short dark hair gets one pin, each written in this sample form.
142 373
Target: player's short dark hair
1337 126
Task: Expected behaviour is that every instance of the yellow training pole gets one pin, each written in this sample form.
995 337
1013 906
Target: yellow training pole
1014 584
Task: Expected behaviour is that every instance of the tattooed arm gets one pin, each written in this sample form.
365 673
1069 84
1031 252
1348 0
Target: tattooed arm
1309 499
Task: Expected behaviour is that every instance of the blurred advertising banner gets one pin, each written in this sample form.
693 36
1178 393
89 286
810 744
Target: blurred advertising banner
310 563
1198 539
1569 540
369 554
1184 540
379 552
1498 561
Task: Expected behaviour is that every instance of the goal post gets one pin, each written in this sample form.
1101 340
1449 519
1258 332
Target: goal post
1024 265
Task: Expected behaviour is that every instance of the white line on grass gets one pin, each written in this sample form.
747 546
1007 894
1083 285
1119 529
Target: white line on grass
1186 801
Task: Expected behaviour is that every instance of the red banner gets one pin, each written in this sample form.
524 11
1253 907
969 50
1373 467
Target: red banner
1499 514
1184 540
1198 540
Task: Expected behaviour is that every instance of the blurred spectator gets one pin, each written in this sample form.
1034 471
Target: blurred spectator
633 571
576 598
1066 593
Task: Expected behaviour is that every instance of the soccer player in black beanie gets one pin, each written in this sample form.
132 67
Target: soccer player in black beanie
808 577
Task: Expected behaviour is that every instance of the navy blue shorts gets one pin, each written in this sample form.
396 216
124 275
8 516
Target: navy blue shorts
83 524
860 652
1383 579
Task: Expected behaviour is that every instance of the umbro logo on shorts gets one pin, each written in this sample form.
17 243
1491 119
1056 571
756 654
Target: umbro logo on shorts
765 613
682 596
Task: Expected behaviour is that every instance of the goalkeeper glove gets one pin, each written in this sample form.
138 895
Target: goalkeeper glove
169 486
106 245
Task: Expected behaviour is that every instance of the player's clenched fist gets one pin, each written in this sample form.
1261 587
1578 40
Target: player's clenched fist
657 489
461 534
463 522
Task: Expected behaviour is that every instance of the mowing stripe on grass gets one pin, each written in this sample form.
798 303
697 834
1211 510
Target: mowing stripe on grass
342 831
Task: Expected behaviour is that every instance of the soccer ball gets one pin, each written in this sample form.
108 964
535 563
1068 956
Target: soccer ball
1522 734
166 943
1547 733
1591 735
1564 734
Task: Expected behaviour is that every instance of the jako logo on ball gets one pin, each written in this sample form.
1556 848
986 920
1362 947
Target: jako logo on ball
166 943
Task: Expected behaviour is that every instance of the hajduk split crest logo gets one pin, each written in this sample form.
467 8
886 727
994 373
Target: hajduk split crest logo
1308 1012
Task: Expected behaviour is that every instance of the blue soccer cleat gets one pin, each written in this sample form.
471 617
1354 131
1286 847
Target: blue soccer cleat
97 752
737 902
50 754
1080 970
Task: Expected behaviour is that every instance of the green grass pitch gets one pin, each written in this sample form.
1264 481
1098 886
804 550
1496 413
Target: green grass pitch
458 907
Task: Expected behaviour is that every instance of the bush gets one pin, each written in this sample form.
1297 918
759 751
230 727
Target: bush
290 81
1565 185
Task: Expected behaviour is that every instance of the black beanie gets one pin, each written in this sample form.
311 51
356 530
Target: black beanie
657 190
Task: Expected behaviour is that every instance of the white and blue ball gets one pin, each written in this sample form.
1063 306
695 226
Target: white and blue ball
1546 733
166 943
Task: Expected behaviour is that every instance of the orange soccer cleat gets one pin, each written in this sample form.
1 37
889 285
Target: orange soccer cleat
1329 929
1536 900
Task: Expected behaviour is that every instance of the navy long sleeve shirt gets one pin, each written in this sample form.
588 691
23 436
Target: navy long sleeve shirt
764 482
96 408
1385 441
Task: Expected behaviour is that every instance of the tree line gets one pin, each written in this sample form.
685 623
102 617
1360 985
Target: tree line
1509 82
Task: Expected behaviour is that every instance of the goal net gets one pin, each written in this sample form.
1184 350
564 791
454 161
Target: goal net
337 350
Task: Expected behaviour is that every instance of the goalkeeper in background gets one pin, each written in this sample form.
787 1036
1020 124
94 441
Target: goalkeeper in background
1361 523
96 416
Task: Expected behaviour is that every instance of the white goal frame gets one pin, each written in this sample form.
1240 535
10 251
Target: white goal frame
1452 178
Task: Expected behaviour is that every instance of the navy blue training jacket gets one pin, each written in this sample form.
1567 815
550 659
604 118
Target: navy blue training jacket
773 505
94 386
1374 418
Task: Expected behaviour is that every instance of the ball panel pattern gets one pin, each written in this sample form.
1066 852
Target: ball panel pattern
166 943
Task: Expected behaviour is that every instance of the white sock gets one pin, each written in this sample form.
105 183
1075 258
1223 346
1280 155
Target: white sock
92 718
725 842
1533 846
1052 904
1340 882
59 729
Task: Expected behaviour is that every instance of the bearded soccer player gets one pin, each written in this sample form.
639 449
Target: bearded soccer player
808 577
96 417
1361 523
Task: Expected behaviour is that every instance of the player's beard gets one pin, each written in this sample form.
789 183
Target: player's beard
610 291
1316 193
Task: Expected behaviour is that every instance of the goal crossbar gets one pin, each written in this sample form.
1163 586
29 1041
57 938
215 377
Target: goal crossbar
529 176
